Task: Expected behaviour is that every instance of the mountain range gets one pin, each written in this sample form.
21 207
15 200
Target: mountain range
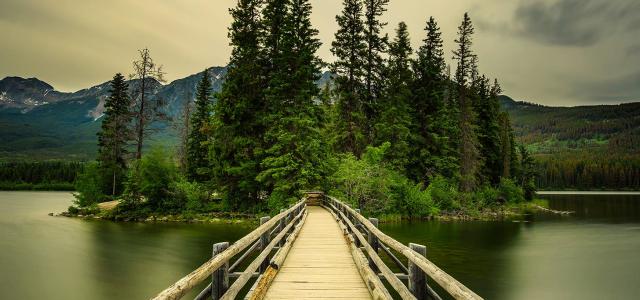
38 122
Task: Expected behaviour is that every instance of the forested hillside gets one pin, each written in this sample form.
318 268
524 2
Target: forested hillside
584 147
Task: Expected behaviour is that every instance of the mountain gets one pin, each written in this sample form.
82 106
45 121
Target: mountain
38 122
549 130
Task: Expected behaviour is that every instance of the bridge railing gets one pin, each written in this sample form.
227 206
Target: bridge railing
365 235
272 239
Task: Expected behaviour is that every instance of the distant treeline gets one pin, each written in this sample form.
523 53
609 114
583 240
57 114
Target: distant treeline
589 172
42 175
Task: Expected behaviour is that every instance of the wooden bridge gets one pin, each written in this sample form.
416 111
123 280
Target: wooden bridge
320 248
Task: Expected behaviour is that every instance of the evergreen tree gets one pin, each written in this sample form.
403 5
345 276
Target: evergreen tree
395 119
465 76
527 173
237 130
487 108
114 136
296 151
374 64
197 147
349 48
508 153
434 122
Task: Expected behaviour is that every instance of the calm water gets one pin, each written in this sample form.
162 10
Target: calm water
594 254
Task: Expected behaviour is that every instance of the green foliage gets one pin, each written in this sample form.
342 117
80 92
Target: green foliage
238 128
510 191
39 175
89 186
372 186
349 48
194 195
114 135
150 182
197 148
444 193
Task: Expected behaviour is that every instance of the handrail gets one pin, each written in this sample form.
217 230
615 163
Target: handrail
448 283
188 282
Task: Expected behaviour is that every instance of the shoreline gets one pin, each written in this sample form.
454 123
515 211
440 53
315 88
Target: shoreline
634 193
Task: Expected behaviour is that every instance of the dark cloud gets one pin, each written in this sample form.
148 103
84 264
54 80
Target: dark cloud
571 22
620 89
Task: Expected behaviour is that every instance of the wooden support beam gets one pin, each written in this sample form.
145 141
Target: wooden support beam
373 241
264 242
417 277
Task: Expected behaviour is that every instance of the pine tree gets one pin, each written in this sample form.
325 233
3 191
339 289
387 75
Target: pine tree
433 122
349 48
296 151
197 147
374 64
237 130
149 108
487 108
394 122
508 153
114 136
465 74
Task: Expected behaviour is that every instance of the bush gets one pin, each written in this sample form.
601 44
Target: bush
150 181
412 201
444 193
510 191
193 194
89 186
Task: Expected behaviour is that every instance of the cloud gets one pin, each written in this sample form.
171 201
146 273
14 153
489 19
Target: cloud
621 89
577 23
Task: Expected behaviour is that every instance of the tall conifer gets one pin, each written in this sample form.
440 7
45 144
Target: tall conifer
238 131
349 49
465 73
197 147
114 135
394 122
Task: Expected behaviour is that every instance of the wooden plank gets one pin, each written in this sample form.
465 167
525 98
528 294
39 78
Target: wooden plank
319 264
188 282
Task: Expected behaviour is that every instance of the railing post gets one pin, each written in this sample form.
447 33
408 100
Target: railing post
264 242
220 277
283 223
356 223
375 244
417 277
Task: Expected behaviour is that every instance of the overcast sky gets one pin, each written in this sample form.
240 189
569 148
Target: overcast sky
554 52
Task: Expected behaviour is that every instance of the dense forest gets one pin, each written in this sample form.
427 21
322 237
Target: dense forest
393 133
584 147
42 175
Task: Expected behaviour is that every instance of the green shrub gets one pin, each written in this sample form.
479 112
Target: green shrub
194 195
444 193
412 201
150 182
89 186
510 191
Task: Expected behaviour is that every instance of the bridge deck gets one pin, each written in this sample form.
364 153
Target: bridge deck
319 265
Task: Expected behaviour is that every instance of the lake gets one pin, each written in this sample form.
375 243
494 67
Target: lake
592 254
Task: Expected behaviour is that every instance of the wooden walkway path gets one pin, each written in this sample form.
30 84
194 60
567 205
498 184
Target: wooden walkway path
319 248
319 264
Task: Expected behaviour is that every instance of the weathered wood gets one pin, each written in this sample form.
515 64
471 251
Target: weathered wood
238 285
281 226
448 283
244 256
417 278
375 259
372 281
188 282
220 277
264 241
318 258
264 282
373 241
